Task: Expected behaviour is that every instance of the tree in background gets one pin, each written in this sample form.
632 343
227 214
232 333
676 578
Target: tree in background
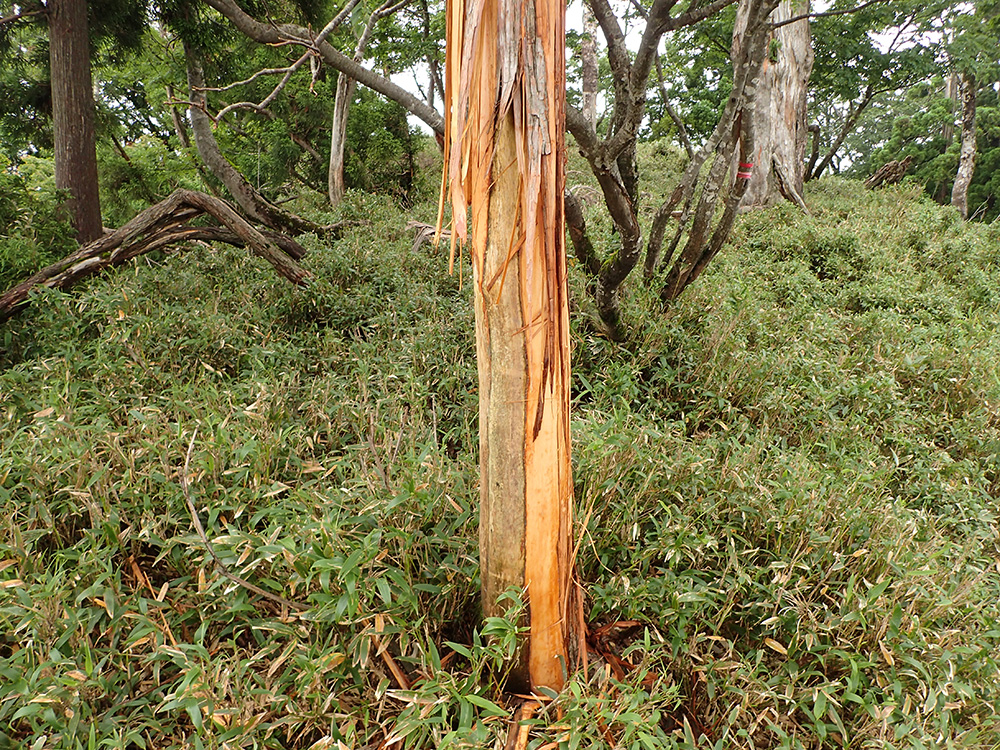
922 118
779 112
972 53
73 115
863 56
504 159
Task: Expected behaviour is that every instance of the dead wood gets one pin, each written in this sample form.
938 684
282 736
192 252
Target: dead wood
155 228
889 174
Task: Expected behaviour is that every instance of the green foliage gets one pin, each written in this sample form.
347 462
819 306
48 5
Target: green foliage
147 172
918 131
381 148
788 480
33 231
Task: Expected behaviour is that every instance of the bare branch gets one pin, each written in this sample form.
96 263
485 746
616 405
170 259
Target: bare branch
259 74
287 33
826 14
18 16
682 134
262 107
695 15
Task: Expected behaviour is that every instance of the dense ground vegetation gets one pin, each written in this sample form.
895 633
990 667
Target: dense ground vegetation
787 488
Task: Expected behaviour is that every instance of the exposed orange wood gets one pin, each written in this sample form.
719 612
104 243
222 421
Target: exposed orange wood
504 157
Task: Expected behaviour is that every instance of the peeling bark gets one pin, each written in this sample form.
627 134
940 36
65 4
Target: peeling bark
780 127
505 162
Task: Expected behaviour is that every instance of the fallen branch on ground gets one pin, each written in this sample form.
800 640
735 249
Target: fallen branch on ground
153 229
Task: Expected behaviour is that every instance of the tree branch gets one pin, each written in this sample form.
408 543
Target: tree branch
288 33
826 14
157 226
18 16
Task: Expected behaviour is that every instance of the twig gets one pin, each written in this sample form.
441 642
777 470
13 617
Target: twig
298 606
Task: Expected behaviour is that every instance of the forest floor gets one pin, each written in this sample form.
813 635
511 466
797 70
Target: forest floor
787 489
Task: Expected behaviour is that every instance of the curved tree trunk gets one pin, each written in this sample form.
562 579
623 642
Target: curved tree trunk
73 115
256 206
779 118
158 226
967 157
815 171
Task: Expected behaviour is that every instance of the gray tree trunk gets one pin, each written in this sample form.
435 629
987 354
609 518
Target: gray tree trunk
256 206
338 137
781 132
967 157
951 91
588 62
73 115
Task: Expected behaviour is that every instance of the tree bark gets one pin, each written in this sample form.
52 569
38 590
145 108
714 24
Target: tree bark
73 115
730 146
504 158
967 154
338 135
779 117
588 62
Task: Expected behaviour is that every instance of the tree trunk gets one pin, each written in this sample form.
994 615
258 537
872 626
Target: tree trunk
588 62
338 135
504 157
73 115
779 117
342 108
951 92
156 227
967 157
256 206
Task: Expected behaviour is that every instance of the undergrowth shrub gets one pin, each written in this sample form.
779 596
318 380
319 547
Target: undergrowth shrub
34 232
786 488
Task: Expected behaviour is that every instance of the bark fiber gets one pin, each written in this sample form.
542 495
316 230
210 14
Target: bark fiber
504 160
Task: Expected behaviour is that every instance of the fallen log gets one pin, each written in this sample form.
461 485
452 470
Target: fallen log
889 173
157 227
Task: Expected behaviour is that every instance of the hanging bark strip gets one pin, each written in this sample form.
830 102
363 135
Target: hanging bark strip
505 175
